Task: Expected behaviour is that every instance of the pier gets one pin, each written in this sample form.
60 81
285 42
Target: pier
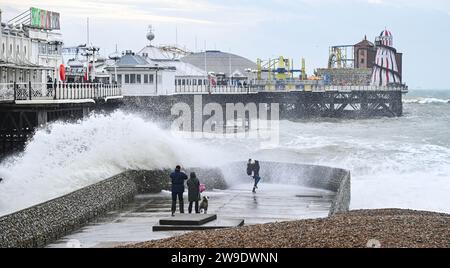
27 106
333 102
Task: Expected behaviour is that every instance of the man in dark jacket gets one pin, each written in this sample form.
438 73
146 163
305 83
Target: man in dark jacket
253 168
256 176
178 179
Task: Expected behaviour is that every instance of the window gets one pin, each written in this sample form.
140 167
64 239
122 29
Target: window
138 79
151 78
132 78
184 82
3 49
10 50
194 82
127 79
119 79
145 78
200 82
362 61
25 51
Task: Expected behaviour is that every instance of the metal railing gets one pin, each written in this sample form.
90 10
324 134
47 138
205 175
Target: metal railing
189 89
57 91
280 87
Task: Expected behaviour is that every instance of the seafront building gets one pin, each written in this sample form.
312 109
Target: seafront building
30 50
165 70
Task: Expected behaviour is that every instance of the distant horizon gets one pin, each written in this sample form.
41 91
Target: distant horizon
265 29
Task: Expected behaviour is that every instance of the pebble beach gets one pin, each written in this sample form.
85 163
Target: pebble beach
387 228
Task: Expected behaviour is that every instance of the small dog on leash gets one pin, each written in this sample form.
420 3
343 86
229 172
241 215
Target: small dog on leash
204 205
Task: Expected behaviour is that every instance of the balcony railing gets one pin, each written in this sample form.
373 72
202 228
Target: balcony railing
58 91
190 89
280 87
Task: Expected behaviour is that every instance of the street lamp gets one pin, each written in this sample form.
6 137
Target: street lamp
115 56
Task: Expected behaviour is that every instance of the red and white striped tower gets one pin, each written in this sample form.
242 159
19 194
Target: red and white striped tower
385 70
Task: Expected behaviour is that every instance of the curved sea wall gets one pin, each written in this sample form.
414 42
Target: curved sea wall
39 225
44 223
332 179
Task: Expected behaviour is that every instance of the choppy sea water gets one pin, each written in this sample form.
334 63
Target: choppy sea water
395 162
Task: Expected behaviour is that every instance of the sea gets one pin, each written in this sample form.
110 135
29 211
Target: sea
395 162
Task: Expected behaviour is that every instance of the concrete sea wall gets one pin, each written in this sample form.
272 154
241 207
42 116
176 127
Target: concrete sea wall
321 177
42 224
39 225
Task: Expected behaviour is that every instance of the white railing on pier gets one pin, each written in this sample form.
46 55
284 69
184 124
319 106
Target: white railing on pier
364 88
306 86
189 89
77 91
58 91
6 92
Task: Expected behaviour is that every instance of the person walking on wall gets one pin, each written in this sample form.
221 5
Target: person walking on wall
178 179
193 192
253 168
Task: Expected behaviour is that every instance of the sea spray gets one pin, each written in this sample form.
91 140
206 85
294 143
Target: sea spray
64 157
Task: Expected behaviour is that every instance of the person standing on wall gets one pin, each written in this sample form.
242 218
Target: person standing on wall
178 179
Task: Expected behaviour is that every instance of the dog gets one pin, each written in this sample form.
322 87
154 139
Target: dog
204 205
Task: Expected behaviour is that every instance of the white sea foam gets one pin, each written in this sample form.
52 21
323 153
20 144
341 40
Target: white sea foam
395 162
66 157
426 101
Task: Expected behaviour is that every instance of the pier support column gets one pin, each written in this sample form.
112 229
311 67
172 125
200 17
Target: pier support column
86 111
42 118
364 103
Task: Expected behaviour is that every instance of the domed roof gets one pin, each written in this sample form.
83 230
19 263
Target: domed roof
386 33
220 62
386 38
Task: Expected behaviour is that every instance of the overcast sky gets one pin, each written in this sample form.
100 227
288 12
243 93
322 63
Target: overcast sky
264 28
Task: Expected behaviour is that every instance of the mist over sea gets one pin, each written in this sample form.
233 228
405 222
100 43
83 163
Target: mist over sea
395 162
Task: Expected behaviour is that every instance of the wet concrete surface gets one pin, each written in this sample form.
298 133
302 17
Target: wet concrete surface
133 223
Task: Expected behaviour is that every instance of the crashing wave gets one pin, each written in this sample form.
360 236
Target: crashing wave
426 101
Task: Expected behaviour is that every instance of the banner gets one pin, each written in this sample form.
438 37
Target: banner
44 19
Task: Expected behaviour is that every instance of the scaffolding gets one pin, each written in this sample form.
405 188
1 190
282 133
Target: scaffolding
341 57
280 69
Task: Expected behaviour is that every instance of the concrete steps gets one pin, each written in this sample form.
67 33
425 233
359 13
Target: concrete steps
195 222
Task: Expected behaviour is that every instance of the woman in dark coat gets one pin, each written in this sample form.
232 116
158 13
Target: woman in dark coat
193 192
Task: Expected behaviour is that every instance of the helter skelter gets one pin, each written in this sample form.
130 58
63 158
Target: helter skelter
385 71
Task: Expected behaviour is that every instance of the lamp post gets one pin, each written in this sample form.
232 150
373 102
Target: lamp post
115 57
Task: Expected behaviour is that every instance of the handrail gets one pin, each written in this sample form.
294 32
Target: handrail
58 91
260 87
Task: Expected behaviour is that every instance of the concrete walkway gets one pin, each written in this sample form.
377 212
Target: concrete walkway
271 203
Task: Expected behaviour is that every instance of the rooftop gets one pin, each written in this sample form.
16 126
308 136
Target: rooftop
220 62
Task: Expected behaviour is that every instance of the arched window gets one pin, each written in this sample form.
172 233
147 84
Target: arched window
25 51
10 50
